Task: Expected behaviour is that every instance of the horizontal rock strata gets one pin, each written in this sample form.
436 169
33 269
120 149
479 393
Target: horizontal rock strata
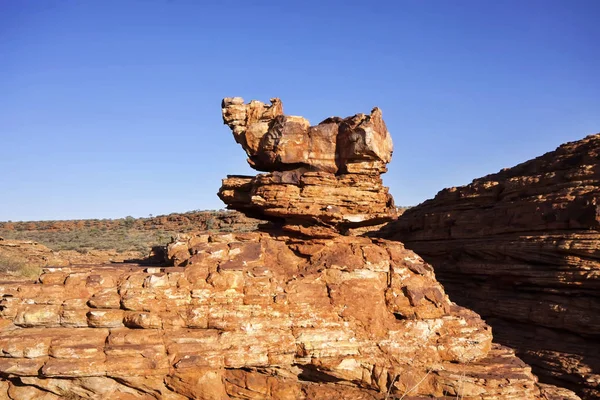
320 178
252 316
295 311
522 248
311 198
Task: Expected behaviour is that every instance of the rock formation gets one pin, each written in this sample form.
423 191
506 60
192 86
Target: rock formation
278 142
274 314
522 248
252 316
321 179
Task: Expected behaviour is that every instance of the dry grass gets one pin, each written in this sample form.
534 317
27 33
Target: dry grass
83 240
18 266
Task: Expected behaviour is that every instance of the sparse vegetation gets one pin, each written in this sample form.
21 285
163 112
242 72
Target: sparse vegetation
18 266
10 264
124 234
85 239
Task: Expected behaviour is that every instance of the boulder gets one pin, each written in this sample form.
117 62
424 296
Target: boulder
275 142
322 179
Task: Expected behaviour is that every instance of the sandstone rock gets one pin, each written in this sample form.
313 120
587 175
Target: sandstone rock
250 122
363 139
275 142
295 311
285 324
323 179
311 198
521 247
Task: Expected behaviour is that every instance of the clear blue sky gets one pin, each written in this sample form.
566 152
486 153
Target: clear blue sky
112 108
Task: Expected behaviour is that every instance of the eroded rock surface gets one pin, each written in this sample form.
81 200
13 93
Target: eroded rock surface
322 178
255 316
522 248
295 311
277 142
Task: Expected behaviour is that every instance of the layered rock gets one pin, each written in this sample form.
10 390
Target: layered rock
522 248
325 176
275 314
253 316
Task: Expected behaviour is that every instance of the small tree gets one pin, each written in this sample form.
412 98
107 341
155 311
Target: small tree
129 221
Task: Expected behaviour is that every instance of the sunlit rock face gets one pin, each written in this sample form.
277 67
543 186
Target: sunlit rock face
522 248
321 179
276 142
253 315
296 310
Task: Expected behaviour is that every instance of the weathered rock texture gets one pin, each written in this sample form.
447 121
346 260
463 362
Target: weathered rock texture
276 142
522 248
322 178
264 315
253 316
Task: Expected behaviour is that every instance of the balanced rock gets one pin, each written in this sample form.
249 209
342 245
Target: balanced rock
522 248
325 176
275 142
292 313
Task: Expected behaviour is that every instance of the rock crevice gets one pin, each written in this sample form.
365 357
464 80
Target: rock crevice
522 248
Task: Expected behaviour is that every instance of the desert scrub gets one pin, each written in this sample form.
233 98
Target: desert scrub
125 234
84 240
18 266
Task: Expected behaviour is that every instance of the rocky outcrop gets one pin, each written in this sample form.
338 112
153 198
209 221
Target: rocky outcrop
522 248
294 311
321 179
253 316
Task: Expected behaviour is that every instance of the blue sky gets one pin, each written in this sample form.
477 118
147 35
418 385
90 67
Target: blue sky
112 108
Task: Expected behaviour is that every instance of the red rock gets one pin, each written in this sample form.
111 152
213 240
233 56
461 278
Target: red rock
107 298
275 318
275 141
203 383
312 198
143 320
38 315
29 392
321 178
521 248
105 318
302 312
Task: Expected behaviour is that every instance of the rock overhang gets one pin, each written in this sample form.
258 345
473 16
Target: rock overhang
327 175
